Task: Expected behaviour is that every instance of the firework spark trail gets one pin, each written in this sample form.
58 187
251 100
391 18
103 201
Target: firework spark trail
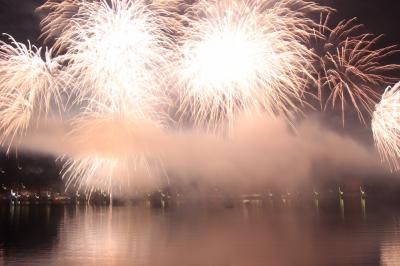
56 25
60 16
386 126
350 67
111 152
118 54
243 56
28 87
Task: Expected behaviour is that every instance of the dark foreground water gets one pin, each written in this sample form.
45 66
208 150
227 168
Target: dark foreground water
243 235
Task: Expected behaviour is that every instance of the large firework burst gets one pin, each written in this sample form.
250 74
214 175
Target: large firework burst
243 56
117 55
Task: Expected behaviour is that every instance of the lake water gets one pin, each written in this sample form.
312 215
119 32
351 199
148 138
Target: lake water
190 236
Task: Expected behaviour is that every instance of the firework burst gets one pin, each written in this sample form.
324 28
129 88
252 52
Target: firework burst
113 152
124 61
243 56
118 53
28 87
57 23
349 67
386 126
116 50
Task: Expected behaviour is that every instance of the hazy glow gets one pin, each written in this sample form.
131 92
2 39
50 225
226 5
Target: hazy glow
389 250
113 152
226 58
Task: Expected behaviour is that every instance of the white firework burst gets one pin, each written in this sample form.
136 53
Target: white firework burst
28 87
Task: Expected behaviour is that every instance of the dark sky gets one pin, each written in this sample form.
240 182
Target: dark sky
17 17
379 16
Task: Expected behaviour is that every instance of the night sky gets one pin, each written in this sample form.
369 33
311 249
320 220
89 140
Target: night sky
17 17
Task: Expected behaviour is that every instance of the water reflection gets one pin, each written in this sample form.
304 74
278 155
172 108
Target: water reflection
244 235
26 229
390 248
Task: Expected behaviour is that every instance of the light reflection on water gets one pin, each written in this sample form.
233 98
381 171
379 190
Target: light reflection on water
85 235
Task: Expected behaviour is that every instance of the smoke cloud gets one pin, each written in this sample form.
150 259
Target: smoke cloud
259 152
